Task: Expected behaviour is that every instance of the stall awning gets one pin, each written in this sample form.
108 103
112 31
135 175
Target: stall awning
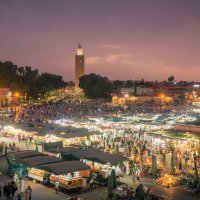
62 150
64 167
69 135
98 156
26 154
113 159
38 160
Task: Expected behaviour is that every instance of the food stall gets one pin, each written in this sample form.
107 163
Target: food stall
72 174
38 174
30 159
98 161
12 132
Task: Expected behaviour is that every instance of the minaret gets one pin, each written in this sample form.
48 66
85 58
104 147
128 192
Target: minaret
79 65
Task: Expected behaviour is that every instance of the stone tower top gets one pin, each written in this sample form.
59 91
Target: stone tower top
79 50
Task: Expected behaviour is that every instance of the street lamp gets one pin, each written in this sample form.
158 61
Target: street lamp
126 95
162 96
17 94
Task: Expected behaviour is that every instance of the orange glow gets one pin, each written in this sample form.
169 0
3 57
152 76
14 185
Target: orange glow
162 96
17 94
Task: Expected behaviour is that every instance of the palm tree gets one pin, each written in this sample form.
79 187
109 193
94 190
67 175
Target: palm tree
21 73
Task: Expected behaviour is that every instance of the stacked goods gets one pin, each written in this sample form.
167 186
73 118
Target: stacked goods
38 174
85 173
168 180
67 183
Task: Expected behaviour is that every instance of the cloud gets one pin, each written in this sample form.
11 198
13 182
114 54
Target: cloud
122 58
111 46
92 60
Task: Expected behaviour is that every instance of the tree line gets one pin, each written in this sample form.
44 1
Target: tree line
28 81
31 84
96 86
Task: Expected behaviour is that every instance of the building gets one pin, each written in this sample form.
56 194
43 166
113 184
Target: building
177 93
146 91
139 91
79 65
139 100
5 96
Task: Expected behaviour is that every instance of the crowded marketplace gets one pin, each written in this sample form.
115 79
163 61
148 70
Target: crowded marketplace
73 146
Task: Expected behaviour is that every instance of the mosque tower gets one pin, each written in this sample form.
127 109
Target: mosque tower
79 64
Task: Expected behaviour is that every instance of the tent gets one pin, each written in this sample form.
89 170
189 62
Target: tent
112 185
172 165
154 165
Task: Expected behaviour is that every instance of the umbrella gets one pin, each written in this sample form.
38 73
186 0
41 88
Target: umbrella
172 165
135 155
140 193
104 143
154 165
135 168
20 172
196 177
112 184
113 145
117 149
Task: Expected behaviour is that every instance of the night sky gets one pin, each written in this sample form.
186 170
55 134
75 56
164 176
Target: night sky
122 39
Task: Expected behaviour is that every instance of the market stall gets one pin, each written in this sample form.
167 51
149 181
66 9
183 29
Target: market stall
37 174
17 133
26 154
98 161
27 160
70 175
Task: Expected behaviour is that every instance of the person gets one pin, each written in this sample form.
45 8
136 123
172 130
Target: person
58 148
5 190
19 138
19 197
148 194
180 164
139 190
134 178
28 193
9 187
16 178
57 186
27 143
138 175
21 185
92 183
13 189
46 181
1 186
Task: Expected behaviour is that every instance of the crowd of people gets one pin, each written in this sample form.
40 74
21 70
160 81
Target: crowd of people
70 109
136 145
8 190
8 147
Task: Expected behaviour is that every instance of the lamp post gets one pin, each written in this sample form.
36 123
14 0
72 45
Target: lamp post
162 96
126 96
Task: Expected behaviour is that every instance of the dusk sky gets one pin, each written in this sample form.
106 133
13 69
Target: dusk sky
122 39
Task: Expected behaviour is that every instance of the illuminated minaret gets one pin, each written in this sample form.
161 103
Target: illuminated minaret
79 65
